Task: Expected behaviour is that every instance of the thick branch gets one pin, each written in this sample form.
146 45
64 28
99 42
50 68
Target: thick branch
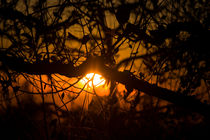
178 99
129 80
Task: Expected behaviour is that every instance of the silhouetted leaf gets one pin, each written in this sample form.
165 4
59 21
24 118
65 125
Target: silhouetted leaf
56 14
45 85
85 39
123 14
54 58
62 95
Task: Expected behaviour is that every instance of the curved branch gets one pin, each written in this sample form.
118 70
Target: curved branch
129 80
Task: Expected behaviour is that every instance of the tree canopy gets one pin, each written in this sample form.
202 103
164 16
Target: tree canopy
157 49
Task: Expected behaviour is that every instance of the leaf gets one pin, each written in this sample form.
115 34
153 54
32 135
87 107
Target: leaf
54 58
57 15
123 14
85 39
70 36
141 75
45 85
62 95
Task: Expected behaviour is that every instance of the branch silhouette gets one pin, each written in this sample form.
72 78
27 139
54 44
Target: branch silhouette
159 48
188 102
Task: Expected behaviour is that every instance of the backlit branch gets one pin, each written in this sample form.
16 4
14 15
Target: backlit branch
129 80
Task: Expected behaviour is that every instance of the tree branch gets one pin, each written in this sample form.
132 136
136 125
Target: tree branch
129 80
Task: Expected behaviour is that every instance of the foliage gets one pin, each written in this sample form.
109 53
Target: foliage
46 47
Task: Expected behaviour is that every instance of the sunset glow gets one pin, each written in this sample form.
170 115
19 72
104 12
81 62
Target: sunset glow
97 80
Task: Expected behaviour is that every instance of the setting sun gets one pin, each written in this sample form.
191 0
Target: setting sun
97 79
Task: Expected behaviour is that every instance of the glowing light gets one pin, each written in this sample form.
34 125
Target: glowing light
93 79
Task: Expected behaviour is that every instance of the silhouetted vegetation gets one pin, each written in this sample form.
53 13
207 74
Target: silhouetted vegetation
157 49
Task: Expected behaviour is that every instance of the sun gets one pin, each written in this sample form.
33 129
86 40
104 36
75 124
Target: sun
93 79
